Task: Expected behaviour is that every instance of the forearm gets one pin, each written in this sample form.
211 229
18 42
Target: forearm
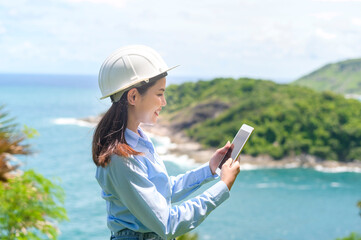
188 215
185 184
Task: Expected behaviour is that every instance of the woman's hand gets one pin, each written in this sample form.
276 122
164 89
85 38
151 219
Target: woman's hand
229 172
219 155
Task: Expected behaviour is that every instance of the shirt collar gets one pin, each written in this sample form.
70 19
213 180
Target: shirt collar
131 137
134 139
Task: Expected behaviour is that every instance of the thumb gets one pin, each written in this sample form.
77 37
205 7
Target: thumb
225 148
227 144
228 162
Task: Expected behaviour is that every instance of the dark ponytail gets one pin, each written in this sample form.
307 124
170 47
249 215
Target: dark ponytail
109 135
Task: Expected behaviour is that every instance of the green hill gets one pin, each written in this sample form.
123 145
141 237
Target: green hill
288 120
341 77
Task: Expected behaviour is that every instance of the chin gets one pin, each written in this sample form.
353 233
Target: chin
150 123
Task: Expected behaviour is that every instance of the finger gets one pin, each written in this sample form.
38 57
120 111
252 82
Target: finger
224 149
228 162
229 152
236 165
228 144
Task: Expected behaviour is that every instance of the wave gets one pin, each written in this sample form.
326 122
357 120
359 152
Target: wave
335 184
283 185
337 169
182 161
266 185
73 121
163 147
247 166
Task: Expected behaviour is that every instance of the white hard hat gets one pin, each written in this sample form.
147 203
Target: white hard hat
128 67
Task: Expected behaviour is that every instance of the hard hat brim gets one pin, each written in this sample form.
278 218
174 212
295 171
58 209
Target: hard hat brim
134 83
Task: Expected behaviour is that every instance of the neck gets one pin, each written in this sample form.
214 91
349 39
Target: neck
132 123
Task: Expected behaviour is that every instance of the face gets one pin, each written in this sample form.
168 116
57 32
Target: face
150 104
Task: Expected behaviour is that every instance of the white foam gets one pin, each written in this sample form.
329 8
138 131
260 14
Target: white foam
337 169
163 148
164 145
73 121
282 185
182 161
335 184
247 166
268 185
291 165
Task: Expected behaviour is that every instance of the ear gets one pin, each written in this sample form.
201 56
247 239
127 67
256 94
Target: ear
133 95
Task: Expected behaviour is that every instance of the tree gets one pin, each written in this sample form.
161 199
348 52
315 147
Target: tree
31 205
188 236
354 235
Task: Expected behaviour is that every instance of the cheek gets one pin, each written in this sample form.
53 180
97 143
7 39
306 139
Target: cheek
147 109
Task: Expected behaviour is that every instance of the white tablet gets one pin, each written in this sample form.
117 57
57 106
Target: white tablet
239 141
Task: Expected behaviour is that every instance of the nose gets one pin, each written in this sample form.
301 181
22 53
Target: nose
164 102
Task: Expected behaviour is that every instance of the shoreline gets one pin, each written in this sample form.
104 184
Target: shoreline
181 145
195 151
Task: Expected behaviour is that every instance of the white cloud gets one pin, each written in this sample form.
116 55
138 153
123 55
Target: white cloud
270 38
326 15
13 13
356 21
113 3
2 28
24 51
341 1
323 34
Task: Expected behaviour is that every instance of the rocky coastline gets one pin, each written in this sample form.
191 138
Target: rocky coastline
183 145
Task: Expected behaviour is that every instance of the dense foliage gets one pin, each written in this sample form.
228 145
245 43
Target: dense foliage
352 236
188 236
288 120
340 77
30 205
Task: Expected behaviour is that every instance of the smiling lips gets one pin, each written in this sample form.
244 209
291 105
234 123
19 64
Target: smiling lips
157 112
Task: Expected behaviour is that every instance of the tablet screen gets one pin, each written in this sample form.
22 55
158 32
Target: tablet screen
238 142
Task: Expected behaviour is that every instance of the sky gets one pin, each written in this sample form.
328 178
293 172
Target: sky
279 40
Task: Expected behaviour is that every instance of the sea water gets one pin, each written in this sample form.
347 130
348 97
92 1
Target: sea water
294 204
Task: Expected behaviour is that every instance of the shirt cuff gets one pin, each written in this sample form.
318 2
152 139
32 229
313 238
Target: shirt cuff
207 171
219 192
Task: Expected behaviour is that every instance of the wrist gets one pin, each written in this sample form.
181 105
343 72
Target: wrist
229 185
210 168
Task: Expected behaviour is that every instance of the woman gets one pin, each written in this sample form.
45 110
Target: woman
134 181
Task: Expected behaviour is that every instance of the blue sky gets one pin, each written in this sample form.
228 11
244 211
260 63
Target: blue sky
269 39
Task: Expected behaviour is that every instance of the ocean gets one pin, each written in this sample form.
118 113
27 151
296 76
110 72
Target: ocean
275 204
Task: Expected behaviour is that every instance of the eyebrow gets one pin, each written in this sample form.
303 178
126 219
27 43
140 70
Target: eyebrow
162 89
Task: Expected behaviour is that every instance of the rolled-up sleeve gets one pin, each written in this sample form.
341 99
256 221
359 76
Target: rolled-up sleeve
184 184
127 180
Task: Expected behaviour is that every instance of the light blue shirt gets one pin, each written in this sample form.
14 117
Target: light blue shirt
139 193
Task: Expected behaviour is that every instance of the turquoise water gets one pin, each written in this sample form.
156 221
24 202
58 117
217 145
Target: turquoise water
294 204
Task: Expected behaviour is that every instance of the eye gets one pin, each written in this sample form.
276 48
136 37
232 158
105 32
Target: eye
159 95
